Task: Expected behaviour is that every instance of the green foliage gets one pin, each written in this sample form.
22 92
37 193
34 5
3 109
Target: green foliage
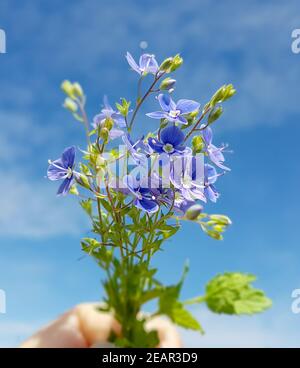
87 205
123 107
232 293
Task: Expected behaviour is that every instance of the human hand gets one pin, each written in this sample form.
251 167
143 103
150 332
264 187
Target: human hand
84 326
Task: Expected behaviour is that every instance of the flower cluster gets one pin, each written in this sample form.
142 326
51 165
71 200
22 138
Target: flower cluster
137 190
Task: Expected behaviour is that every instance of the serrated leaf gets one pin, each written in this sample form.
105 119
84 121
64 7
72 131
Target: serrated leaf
182 317
232 293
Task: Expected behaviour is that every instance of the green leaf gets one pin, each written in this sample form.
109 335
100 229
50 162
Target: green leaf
232 293
182 317
87 205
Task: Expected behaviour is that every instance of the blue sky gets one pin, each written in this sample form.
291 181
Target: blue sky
247 44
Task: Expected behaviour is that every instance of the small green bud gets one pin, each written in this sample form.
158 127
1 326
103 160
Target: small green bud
218 96
219 228
167 84
176 63
77 89
74 190
223 94
215 114
108 123
104 134
229 92
193 212
70 105
166 65
67 88
214 234
221 219
124 107
197 144
83 181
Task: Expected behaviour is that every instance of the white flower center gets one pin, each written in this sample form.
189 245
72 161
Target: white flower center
168 148
139 196
174 113
69 172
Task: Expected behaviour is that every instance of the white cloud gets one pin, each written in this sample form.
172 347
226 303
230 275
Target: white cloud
31 209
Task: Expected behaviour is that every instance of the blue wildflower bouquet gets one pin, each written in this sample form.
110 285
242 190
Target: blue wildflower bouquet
137 191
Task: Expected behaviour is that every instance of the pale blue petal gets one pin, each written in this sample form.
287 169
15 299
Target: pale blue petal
157 115
187 106
132 63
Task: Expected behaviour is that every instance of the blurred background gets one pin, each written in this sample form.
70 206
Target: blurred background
245 43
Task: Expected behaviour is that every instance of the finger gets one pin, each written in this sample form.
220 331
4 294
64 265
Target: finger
167 333
81 327
96 326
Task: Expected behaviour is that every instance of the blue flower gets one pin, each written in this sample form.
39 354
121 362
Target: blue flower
174 112
109 113
214 153
147 64
171 141
144 199
137 150
187 178
62 169
210 177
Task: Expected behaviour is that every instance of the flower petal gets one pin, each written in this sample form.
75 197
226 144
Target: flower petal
211 193
181 120
115 133
56 170
132 63
156 145
210 174
172 135
118 119
187 106
157 115
166 102
207 135
147 205
106 103
65 186
68 157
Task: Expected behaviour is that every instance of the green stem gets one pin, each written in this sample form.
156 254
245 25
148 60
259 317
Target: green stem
140 102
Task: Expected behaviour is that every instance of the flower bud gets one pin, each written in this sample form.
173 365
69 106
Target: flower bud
77 89
108 123
215 114
67 88
218 96
166 65
176 63
83 181
167 84
193 212
197 144
104 134
70 105
229 92
221 219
